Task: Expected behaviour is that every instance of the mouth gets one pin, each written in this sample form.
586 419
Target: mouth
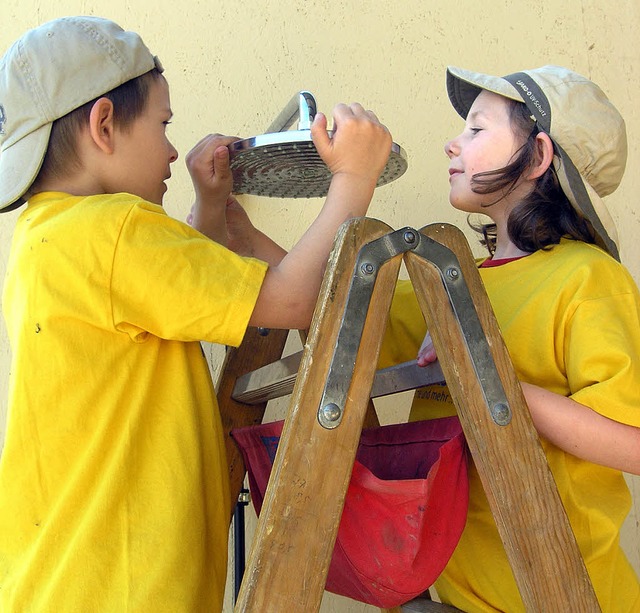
453 172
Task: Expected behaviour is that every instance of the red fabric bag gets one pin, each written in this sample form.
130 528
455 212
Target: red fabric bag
404 511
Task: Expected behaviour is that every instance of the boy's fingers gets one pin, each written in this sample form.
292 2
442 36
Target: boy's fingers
319 133
208 145
372 116
221 168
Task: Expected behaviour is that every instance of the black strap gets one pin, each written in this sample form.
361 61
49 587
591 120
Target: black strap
533 97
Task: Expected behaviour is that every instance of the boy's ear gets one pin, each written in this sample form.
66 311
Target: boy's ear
543 155
101 124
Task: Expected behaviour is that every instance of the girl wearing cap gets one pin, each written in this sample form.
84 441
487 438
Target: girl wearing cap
538 151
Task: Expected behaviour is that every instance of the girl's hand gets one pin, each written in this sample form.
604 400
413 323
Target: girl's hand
240 230
238 227
427 352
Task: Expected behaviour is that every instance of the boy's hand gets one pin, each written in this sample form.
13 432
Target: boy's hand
208 165
360 145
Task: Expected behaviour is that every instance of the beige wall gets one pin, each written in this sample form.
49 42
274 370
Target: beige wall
233 64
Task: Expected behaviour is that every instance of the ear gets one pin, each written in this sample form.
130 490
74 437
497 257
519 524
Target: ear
101 124
543 156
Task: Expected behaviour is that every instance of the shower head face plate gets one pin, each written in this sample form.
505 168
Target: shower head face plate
287 165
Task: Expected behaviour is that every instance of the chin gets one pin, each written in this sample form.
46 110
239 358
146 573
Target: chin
156 198
463 205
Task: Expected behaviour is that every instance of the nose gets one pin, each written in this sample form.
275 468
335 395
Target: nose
452 148
173 154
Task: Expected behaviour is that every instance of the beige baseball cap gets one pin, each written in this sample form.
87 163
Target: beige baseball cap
47 73
588 131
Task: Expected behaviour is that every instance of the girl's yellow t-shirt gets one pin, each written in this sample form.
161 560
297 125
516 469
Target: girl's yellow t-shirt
114 488
570 317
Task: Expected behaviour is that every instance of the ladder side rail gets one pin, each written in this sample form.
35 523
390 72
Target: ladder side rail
298 524
256 350
538 539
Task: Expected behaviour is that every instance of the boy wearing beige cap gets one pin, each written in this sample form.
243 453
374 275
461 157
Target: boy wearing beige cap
539 150
113 479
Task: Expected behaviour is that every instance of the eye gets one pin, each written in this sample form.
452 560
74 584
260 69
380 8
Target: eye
475 130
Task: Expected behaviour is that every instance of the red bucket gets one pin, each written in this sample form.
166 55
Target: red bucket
404 511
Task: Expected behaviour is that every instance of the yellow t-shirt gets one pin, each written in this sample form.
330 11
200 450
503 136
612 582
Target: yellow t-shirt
114 490
570 318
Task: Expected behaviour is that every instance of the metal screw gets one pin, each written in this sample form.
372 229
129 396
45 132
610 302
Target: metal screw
409 237
452 273
367 268
331 412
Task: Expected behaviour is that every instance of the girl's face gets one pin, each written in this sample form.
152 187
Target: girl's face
487 143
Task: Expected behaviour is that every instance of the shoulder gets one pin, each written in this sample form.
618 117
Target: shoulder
60 208
570 264
126 217
583 264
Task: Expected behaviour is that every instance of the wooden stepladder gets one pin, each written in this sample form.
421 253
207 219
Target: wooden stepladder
298 524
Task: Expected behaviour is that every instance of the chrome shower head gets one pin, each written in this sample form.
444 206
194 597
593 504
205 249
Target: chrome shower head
285 163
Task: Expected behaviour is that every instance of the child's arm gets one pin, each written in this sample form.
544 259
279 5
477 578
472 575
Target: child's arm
356 155
571 426
579 430
245 239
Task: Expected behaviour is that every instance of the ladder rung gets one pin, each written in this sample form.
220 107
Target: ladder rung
278 378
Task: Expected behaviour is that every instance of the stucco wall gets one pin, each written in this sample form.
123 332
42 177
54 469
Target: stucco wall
233 64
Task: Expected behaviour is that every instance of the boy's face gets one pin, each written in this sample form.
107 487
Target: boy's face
145 151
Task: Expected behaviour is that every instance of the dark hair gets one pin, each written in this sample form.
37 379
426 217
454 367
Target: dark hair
129 100
545 215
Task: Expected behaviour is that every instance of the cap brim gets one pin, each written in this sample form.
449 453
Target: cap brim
19 166
463 87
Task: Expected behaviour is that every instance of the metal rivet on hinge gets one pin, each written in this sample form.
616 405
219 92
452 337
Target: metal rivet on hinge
409 237
452 273
367 268
501 413
331 412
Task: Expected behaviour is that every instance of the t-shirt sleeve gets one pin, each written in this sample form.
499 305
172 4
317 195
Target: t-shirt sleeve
171 281
603 355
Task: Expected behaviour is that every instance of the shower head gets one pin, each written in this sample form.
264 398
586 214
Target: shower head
285 163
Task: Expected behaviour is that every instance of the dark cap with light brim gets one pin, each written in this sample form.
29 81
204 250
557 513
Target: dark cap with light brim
588 131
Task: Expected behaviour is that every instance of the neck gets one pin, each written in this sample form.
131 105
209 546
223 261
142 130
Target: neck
504 247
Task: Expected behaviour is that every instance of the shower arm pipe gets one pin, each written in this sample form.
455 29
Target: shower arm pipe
301 106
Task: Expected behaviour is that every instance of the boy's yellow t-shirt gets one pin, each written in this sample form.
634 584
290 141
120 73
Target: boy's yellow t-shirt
114 488
570 318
